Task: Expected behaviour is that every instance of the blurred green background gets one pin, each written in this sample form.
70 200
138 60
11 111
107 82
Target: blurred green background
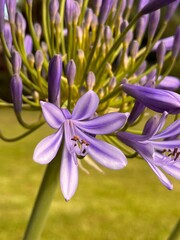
127 204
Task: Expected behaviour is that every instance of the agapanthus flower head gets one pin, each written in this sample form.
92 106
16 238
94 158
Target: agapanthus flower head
77 131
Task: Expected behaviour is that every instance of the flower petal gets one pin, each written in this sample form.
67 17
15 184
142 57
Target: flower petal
68 175
161 176
104 153
105 124
170 166
172 130
86 106
166 144
53 115
47 149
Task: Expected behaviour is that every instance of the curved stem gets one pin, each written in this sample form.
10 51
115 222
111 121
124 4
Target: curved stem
43 200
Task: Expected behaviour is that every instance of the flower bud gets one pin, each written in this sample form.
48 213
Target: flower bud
71 72
88 17
79 33
141 27
16 92
11 6
57 20
91 79
134 48
29 2
31 59
94 22
38 30
39 59
7 35
112 83
20 23
53 9
107 34
2 4
104 11
54 78
76 12
96 4
176 44
160 53
16 61
171 8
153 23
28 44
130 3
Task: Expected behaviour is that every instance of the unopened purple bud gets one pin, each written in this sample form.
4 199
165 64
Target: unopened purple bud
20 23
112 83
141 27
16 61
91 80
160 53
39 59
122 7
79 33
71 72
76 12
94 22
153 23
124 25
107 34
53 9
81 55
171 10
167 41
16 92
29 2
150 78
129 34
7 35
2 4
170 83
134 48
31 59
44 47
142 68
57 20
88 17
96 5
104 11
54 78
141 4
11 6
130 3
38 30
28 43
176 44
154 5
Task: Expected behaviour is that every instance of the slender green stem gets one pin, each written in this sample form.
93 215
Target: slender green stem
44 199
175 234
5 48
62 26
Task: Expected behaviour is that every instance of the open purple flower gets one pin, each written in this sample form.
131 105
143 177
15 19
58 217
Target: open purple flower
164 154
78 130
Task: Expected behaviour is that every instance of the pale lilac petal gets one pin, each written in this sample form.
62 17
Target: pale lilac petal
170 83
53 115
47 149
172 130
104 153
86 106
68 175
170 166
105 124
167 41
167 144
28 44
161 176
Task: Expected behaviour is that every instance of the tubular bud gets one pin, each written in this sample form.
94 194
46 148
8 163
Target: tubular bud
16 92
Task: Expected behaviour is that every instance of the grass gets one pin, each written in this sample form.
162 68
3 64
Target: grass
127 204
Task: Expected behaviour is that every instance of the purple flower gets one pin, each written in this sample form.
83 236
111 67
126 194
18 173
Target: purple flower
170 83
77 130
164 154
167 41
158 100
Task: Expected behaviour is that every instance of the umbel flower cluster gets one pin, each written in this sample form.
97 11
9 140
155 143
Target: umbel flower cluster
85 67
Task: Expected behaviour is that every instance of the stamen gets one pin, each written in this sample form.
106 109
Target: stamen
80 147
174 153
